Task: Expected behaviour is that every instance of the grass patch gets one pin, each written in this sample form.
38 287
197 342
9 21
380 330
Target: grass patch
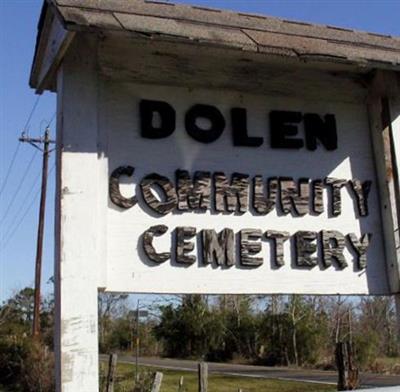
216 383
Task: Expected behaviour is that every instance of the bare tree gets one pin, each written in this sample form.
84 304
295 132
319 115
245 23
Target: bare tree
296 313
108 305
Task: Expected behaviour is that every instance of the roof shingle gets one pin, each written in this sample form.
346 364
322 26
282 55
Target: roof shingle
247 32
236 30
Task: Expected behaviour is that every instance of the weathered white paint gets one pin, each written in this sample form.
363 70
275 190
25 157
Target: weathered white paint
197 66
128 269
78 232
97 244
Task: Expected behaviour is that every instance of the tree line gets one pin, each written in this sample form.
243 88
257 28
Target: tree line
295 330
273 330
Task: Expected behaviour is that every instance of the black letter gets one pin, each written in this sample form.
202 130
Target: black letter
213 115
239 130
167 119
281 128
316 128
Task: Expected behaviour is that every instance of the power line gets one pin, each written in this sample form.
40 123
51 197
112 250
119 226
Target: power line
24 129
35 142
10 168
7 240
18 188
20 210
22 219
31 113
47 122
52 119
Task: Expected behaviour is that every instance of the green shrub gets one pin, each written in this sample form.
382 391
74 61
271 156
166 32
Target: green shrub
26 365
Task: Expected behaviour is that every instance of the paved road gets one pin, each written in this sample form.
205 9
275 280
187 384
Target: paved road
368 380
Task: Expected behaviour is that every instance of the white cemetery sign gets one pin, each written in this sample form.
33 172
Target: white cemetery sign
200 168
234 193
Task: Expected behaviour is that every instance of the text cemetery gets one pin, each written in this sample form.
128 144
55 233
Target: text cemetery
239 193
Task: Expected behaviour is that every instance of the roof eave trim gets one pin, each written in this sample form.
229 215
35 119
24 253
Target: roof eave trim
53 40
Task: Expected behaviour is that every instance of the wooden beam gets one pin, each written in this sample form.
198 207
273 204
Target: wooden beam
157 382
112 367
122 58
203 377
384 115
79 264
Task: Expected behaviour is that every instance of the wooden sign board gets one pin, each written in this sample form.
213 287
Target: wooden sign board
195 168
319 218
221 192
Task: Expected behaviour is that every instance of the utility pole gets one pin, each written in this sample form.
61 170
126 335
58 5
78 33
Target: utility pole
37 142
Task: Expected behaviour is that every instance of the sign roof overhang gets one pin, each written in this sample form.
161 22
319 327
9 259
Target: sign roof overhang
270 38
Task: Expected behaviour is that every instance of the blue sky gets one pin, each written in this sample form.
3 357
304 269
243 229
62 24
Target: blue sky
18 205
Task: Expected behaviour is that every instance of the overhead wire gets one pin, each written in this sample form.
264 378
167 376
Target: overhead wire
18 187
31 114
17 215
7 240
13 159
8 174
33 184
24 129
52 119
10 168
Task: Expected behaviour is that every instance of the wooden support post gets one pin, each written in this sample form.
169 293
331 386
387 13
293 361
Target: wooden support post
112 366
384 116
203 377
397 302
157 382
395 143
81 204
354 376
348 376
341 363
